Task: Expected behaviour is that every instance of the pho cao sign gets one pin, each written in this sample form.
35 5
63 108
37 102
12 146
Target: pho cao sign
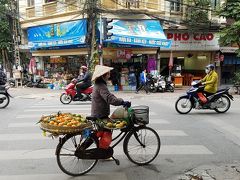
204 41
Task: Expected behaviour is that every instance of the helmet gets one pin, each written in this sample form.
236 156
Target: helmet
210 66
84 67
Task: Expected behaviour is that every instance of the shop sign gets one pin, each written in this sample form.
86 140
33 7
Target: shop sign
58 34
147 33
193 41
124 54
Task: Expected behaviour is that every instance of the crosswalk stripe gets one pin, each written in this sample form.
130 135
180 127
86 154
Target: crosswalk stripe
39 136
58 109
50 153
33 124
62 176
62 106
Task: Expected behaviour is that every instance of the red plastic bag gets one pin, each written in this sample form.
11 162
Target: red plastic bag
202 98
105 139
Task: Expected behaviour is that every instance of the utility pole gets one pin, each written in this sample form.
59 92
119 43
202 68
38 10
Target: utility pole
15 31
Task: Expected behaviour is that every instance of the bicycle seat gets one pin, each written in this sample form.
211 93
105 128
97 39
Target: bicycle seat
91 118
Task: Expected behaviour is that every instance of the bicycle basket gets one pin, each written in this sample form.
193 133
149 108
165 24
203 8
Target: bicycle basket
140 115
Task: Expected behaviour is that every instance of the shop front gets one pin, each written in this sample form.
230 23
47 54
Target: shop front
59 50
133 47
190 53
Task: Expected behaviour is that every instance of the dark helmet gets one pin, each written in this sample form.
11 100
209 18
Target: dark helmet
210 66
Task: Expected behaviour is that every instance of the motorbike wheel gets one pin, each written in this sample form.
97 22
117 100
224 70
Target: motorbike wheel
4 100
171 89
183 105
152 89
65 98
225 101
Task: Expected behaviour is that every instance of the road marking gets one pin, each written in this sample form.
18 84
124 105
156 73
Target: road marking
63 106
62 176
58 109
23 124
39 136
50 153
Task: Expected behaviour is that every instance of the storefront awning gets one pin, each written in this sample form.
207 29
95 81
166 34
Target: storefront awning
58 35
145 33
65 52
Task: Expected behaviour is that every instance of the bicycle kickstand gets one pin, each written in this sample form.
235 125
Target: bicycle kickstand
116 161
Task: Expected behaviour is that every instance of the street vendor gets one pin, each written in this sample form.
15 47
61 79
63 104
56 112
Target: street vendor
101 101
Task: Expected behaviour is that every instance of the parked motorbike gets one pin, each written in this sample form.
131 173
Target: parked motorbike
169 85
70 93
157 83
219 102
4 96
37 84
11 82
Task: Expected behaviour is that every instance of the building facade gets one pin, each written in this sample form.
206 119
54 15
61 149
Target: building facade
191 51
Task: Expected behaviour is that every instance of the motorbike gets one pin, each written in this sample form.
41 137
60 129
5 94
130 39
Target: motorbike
70 93
4 96
194 98
169 85
37 84
157 83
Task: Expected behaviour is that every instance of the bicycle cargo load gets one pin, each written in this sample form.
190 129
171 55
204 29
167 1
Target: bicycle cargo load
141 114
64 123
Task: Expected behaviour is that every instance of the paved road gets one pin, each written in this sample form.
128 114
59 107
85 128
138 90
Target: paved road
191 141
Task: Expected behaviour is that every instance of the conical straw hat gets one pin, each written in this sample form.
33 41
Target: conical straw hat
100 70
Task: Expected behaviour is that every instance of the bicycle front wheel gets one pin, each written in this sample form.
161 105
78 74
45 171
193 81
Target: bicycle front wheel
142 145
68 162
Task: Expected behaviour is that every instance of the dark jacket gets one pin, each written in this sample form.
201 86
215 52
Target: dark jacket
102 99
87 79
3 77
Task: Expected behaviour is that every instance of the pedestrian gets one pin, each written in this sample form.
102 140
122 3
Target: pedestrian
3 77
143 82
101 101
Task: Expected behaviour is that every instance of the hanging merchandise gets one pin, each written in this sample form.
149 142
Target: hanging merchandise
152 64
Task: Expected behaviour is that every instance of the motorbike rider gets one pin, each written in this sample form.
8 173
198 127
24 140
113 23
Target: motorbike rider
3 77
101 101
210 81
83 83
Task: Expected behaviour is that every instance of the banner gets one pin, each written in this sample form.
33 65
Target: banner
58 34
147 33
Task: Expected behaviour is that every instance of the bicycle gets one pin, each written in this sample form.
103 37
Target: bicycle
78 153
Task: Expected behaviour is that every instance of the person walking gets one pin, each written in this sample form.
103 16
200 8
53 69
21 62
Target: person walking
3 77
143 82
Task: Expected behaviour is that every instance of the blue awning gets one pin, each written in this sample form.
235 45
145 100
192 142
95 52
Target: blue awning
58 35
231 59
146 33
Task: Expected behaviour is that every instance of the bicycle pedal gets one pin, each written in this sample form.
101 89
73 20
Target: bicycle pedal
116 161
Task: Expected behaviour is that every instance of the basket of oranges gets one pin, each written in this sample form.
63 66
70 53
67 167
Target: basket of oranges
64 123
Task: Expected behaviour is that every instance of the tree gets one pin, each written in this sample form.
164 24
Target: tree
230 35
197 14
5 34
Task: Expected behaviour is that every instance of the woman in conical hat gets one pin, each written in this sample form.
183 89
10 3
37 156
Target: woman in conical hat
102 99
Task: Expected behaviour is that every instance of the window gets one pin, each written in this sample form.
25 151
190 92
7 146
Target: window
175 6
30 3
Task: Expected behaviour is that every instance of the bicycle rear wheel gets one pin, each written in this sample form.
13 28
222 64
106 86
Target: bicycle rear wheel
142 145
66 159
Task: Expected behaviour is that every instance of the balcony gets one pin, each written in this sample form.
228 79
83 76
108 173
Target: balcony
49 8
71 5
30 12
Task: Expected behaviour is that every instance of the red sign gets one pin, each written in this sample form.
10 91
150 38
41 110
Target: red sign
221 57
186 36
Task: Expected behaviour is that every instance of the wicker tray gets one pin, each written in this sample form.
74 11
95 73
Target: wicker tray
64 130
